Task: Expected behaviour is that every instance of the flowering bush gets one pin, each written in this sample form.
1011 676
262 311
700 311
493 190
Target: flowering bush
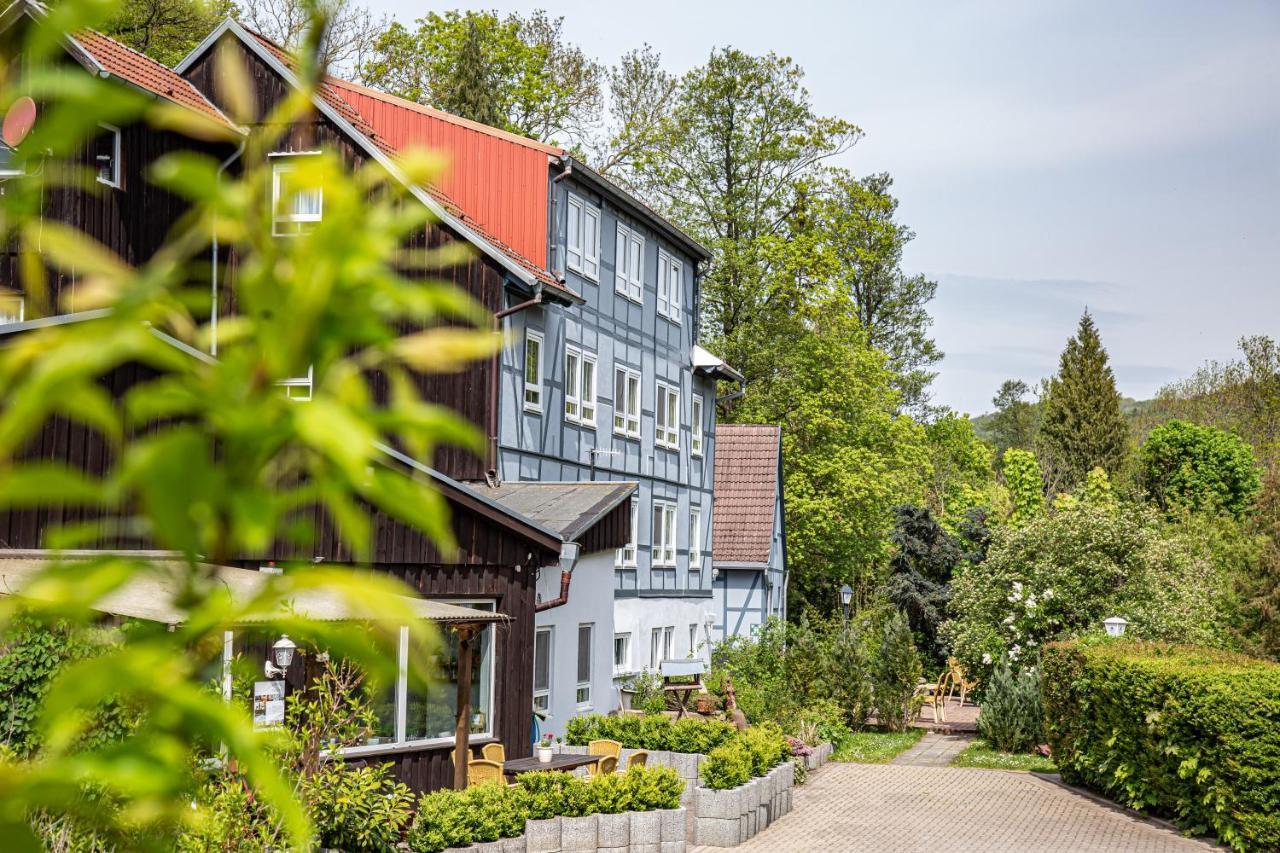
1062 574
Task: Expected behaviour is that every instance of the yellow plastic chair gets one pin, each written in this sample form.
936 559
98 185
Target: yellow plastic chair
639 758
494 752
606 765
936 695
604 747
482 770
960 680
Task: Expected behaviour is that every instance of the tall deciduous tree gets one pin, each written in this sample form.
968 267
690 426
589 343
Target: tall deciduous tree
1016 420
350 29
1197 467
867 241
1260 588
1081 425
166 30
641 97
541 85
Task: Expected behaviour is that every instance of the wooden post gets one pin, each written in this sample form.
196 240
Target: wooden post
462 734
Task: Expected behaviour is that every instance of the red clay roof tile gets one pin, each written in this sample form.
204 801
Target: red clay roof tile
746 492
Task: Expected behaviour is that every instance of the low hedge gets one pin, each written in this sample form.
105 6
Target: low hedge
492 811
752 753
1189 732
651 732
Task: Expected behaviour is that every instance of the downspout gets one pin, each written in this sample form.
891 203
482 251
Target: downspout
213 276
569 550
495 379
567 162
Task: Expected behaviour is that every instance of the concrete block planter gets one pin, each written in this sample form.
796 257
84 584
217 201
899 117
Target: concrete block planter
578 833
542 836
672 847
487 847
613 831
646 828
686 764
673 824
514 845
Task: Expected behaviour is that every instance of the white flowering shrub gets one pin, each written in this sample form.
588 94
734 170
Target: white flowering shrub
1062 574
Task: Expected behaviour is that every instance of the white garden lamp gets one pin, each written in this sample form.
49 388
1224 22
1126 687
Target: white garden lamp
1115 625
282 651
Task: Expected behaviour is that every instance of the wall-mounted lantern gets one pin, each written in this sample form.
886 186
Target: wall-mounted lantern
1115 625
282 651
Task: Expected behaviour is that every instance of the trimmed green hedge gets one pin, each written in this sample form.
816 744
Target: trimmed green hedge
651 732
1190 732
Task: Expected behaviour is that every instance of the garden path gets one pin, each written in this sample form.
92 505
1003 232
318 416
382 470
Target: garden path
933 750
887 807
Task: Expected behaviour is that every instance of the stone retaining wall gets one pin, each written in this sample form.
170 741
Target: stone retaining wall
660 831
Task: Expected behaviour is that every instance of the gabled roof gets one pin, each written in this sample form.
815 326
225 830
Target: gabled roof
145 73
109 58
330 103
748 481
570 509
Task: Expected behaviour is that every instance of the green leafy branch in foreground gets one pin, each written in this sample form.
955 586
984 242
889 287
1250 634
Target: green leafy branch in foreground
208 460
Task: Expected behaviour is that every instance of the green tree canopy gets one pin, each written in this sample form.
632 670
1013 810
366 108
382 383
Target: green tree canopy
1026 485
1198 467
1081 425
538 84
166 30
1015 419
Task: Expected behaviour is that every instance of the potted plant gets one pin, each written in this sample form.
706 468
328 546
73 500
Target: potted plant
544 748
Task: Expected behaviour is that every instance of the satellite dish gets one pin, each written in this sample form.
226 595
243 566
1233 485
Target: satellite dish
19 121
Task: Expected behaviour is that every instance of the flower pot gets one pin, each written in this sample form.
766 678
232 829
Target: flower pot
706 703
544 754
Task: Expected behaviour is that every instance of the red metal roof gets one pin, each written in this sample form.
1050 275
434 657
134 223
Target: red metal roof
746 492
147 74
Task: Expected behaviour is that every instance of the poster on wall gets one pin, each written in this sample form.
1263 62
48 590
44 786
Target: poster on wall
268 704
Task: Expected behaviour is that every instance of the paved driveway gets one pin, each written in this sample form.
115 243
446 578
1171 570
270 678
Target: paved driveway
885 808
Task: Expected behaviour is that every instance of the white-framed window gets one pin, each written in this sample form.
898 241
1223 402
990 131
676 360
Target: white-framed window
695 538
621 653
579 386
670 282
626 556
664 534
586 650
582 238
655 649
295 209
695 425
629 264
299 387
626 402
542 668
693 640
668 642
666 430
106 155
10 165
12 308
532 371
405 716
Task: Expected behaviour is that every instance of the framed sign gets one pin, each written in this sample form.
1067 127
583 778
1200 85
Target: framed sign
268 704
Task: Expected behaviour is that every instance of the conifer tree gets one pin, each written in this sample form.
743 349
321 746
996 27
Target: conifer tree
1081 424
471 91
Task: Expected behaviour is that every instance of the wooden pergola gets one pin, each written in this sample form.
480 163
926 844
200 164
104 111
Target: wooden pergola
153 597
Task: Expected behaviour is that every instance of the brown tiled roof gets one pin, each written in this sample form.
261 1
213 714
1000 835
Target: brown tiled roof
330 91
746 492
147 74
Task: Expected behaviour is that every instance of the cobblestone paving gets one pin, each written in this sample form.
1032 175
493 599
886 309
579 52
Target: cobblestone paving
889 808
933 751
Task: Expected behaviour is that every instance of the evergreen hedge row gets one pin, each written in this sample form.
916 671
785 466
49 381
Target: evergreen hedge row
1190 733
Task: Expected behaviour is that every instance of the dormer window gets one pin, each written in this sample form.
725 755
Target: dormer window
295 208
12 308
106 155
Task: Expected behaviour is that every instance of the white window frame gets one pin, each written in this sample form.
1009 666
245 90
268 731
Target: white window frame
696 431
114 181
579 389
662 550
670 286
622 411
626 555
628 271
13 308
667 434
293 224
532 403
545 693
584 257
695 538
668 642
299 388
582 695
622 662
693 639
655 649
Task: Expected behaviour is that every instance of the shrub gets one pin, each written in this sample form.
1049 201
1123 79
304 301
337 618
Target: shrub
654 787
822 722
357 808
694 735
493 812
895 671
1012 716
1191 732
767 746
1198 467
441 822
727 766
648 695
651 732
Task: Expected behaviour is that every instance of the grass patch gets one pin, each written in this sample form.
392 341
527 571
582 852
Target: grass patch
875 747
978 754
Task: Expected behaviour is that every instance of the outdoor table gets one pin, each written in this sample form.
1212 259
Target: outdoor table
559 761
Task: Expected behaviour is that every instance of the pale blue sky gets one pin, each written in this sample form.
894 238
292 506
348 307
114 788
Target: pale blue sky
1120 155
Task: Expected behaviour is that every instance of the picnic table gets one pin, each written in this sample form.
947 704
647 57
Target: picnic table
560 761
